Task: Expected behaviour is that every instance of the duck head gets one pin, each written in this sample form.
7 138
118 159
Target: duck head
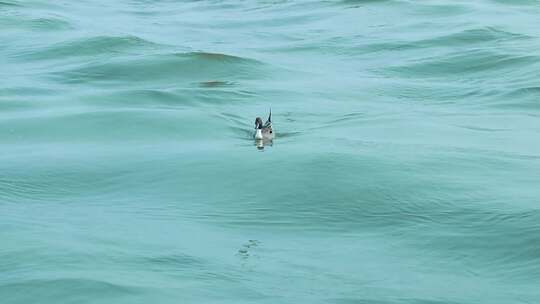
258 123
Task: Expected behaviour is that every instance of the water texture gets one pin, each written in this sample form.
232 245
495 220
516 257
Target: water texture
406 167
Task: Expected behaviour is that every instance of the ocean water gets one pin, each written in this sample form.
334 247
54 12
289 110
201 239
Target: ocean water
405 169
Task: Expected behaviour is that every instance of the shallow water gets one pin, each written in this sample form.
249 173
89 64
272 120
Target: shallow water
405 169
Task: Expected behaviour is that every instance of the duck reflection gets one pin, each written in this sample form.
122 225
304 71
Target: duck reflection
261 143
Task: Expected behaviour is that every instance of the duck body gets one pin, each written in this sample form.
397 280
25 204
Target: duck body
264 131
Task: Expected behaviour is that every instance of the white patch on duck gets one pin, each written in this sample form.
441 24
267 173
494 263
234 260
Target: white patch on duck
258 134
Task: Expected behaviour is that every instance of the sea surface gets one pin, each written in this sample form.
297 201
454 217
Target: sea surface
405 169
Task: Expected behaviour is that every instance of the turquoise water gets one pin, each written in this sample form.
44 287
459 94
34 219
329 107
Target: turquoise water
406 166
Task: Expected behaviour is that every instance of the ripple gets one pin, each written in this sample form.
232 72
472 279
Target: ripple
532 3
44 24
5 3
25 190
170 263
50 24
527 92
520 98
473 36
356 2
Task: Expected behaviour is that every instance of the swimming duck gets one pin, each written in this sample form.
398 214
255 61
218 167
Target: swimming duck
264 132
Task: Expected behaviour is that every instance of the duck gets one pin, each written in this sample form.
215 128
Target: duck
264 132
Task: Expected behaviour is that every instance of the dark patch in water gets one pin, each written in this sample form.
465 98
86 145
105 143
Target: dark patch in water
483 129
348 117
216 84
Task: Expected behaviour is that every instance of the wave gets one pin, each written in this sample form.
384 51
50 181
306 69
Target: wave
532 3
102 45
462 63
521 98
40 24
468 37
170 69
68 289
532 93
358 45
176 98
